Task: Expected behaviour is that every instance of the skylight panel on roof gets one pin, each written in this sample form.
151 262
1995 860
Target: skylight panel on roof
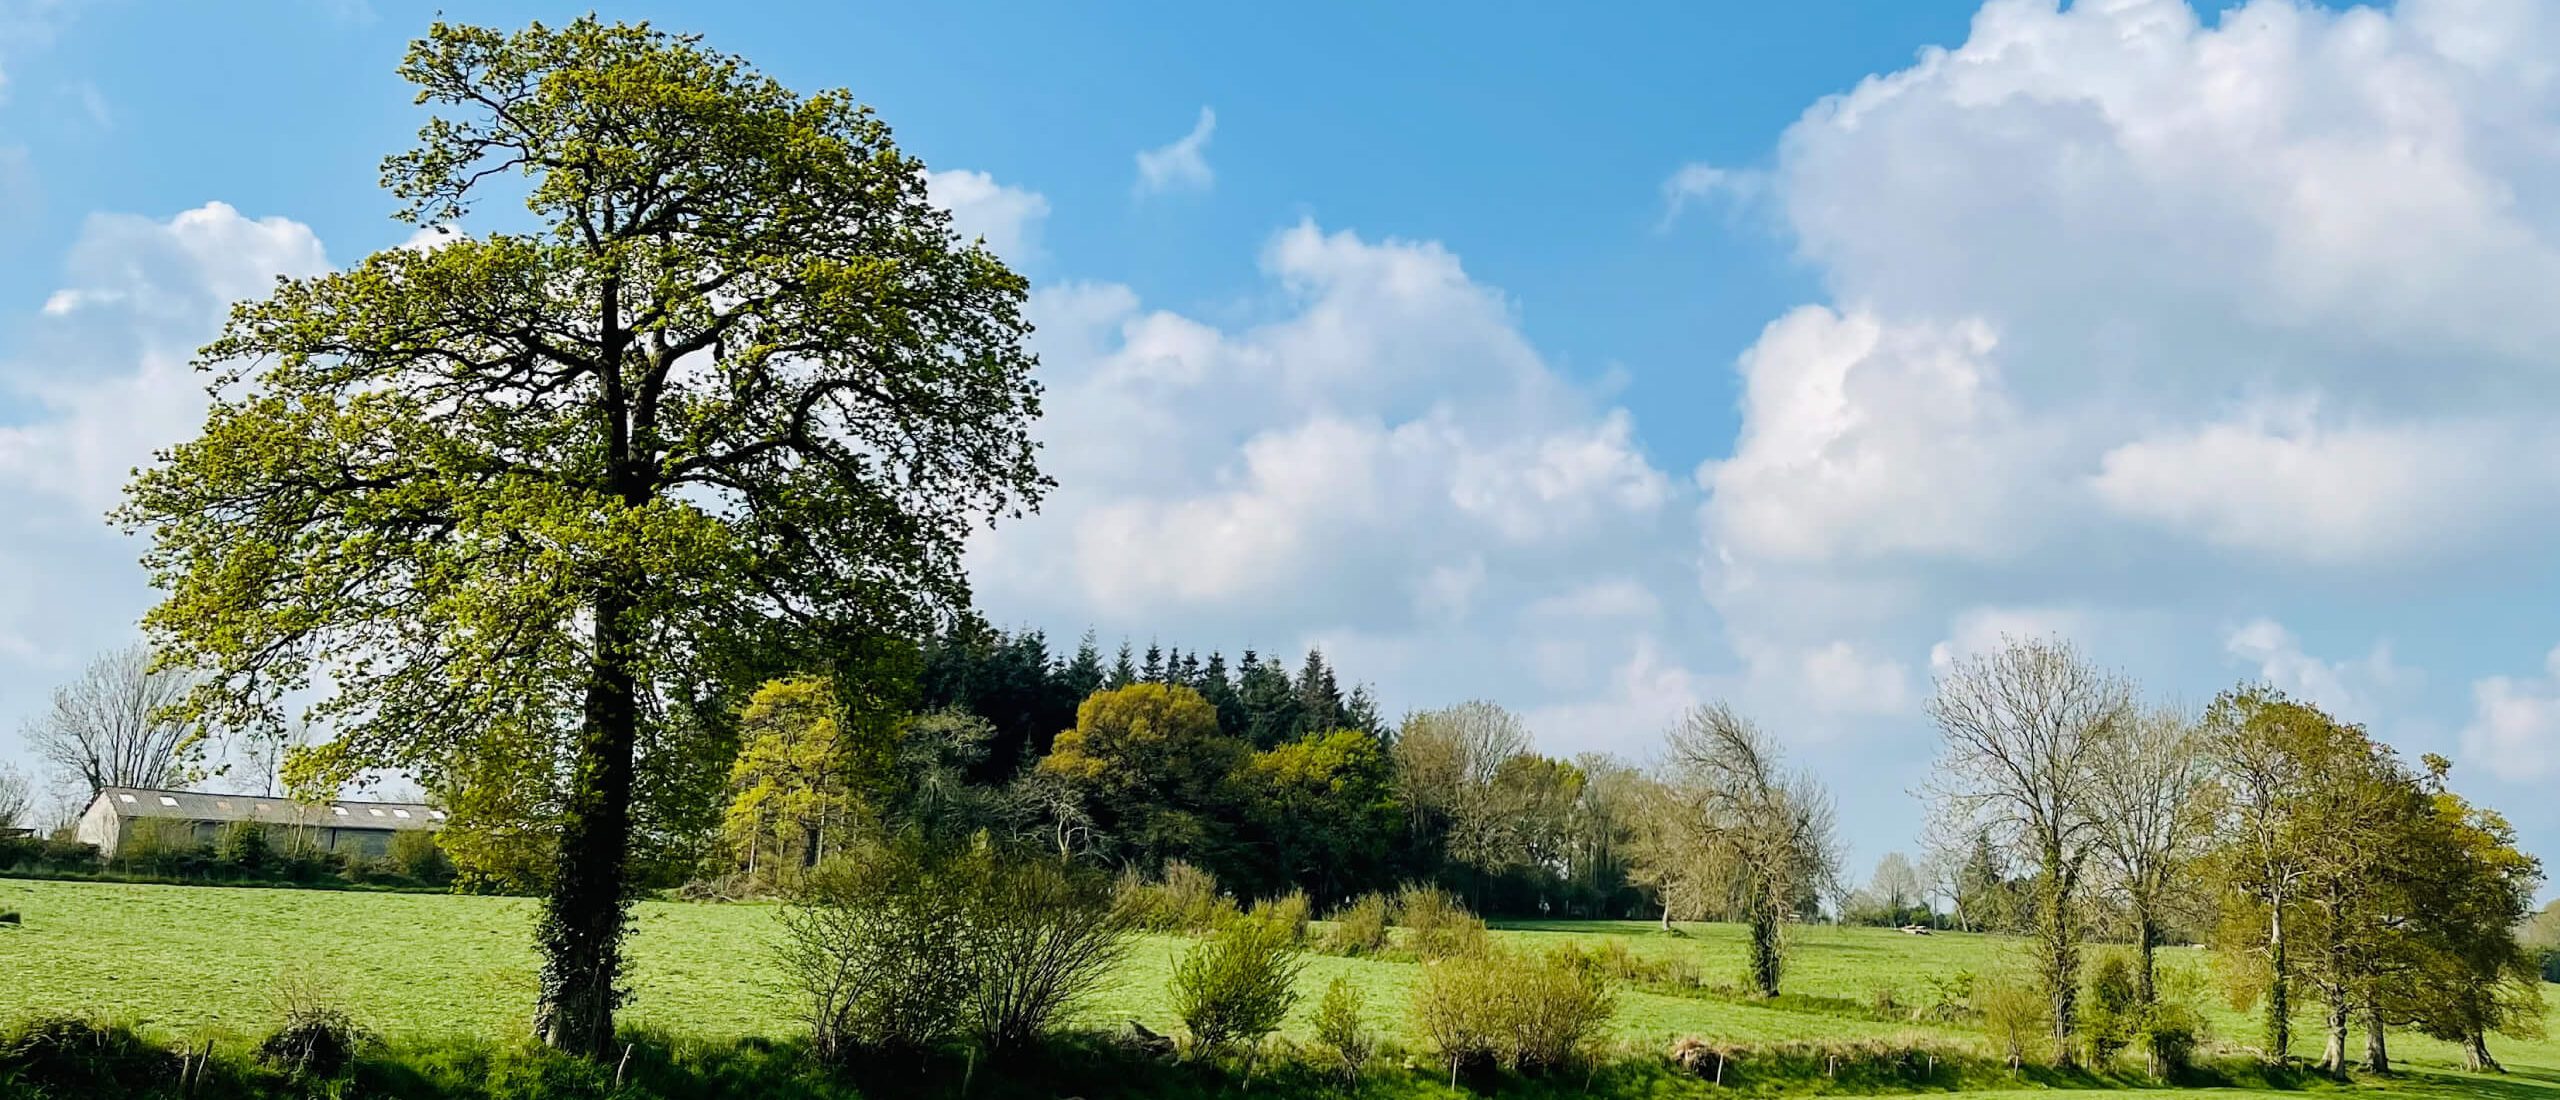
399 813
165 800
436 814
376 813
341 811
126 797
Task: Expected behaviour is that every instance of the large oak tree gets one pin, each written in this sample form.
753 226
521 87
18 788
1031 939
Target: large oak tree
736 386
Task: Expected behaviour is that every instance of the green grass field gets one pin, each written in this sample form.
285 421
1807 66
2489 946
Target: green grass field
183 960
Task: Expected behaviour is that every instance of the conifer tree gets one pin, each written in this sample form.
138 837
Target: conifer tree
1153 671
1124 671
1084 675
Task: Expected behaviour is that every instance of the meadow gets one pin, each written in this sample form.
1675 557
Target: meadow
185 961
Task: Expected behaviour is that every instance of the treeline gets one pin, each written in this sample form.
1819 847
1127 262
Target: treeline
1266 772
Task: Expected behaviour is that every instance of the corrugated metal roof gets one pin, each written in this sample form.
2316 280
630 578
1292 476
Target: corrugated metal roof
202 806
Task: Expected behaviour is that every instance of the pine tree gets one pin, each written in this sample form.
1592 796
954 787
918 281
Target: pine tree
1190 674
1153 671
1215 686
1084 675
1319 699
1360 712
1270 705
1123 671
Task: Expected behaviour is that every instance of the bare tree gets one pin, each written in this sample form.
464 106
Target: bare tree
1449 760
2021 733
1766 835
17 799
1895 885
112 726
2152 800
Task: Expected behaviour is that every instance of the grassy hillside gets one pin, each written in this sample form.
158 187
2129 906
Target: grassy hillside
179 960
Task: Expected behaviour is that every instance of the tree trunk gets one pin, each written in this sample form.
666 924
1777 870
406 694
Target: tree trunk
2475 1054
2146 938
1764 949
2333 1053
2377 1052
2062 958
582 920
1666 913
2279 990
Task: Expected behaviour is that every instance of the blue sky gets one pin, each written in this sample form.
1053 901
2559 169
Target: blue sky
1599 365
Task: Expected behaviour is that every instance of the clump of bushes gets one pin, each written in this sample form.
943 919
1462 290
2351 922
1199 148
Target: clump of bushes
78 1056
1359 928
1498 1010
1437 926
318 1039
1236 986
872 941
1340 1026
1184 898
899 948
2111 1010
2013 1014
1291 910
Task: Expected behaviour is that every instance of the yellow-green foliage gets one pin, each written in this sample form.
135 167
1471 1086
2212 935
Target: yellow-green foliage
1519 1013
1359 928
1340 1027
1437 926
787 787
1237 985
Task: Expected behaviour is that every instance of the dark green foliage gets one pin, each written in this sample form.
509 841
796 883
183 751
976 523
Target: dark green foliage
70 1056
315 1043
420 859
243 847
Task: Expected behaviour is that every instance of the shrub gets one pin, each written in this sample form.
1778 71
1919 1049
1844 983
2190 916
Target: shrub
315 1042
1044 934
1184 899
1340 1028
1437 926
1236 986
73 1056
420 858
2173 1028
2013 1014
1527 1016
242 848
1290 909
2111 1012
1359 928
869 941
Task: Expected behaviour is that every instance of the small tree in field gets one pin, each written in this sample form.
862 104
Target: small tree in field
1761 836
739 390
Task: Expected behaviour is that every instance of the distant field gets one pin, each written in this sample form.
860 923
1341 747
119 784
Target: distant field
181 959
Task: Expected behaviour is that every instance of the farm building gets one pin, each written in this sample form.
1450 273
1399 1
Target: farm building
354 828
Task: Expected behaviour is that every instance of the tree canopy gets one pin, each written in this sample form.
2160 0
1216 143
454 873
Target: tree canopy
522 492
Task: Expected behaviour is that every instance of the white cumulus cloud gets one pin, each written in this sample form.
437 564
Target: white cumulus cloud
1181 165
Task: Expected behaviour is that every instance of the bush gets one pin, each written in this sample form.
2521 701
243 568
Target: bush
1044 933
869 940
1290 909
1236 986
1437 926
2111 1012
73 1056
420 858
1497 1010
241 847
2013 1014
1340 1028
315 1042
1359 928
1184 899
